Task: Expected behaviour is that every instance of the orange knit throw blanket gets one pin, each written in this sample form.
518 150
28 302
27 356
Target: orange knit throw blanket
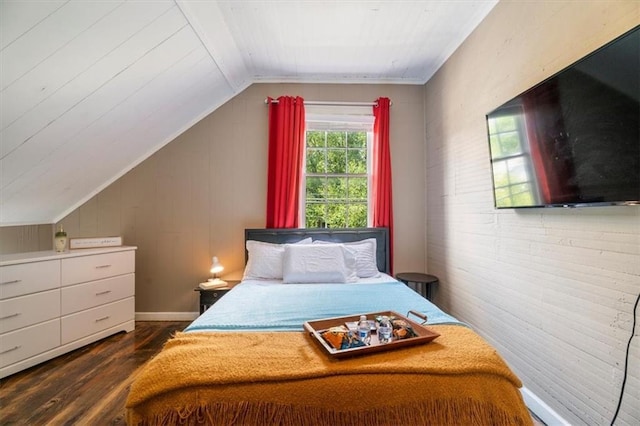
285 378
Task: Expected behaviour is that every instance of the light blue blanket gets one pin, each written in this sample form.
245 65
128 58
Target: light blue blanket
252 306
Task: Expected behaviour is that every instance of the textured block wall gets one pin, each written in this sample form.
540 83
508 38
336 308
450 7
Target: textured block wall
552 289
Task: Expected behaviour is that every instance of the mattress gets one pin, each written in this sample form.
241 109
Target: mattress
257 305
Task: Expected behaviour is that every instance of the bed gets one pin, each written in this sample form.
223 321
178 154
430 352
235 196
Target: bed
248 361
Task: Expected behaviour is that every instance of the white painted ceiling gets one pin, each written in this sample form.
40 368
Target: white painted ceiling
89 89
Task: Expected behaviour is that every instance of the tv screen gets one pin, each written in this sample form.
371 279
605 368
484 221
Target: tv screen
574 139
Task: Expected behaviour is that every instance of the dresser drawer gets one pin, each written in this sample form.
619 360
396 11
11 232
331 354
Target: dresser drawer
28 310
27 342
79 297
25 278
85 323
77 270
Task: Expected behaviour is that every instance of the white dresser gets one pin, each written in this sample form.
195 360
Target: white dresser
52 303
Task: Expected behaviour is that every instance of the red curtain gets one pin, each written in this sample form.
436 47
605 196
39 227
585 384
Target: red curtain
381 185
286 145
553 167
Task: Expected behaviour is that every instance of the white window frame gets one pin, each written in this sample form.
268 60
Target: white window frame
339 119
517 112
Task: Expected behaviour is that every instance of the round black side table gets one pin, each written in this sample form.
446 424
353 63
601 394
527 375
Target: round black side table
423 280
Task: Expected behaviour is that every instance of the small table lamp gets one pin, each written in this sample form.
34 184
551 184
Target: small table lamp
216 268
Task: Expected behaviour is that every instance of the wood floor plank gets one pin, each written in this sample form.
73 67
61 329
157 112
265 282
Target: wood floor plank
86 386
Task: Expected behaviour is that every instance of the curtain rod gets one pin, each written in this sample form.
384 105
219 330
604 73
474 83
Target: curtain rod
332 103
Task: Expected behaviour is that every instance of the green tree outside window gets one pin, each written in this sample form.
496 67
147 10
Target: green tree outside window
336 193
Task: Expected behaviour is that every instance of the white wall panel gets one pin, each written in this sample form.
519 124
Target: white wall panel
53 33
55 71
18 17
96 142
91 80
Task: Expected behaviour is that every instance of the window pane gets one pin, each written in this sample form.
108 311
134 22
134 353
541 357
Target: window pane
336 188
336 161
315 161
315 139
336 139
510 143
496 149
517 171
357 216
337 215
357 139
333 196
357 189
506 123
522 194
315 216
316 189
503 197
356 161
500 174
492 126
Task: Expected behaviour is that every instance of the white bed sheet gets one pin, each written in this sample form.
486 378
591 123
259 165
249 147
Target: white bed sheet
383 278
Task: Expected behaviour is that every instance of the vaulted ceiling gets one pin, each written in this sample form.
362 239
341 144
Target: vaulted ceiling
90 89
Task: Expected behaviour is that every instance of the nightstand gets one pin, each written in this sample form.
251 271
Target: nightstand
209 297
423 280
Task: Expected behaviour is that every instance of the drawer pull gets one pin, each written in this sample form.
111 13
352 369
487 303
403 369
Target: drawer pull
103 318
10 350
100 293
103 266
10 316
10 282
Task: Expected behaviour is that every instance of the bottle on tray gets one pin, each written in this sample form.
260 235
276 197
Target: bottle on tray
364 330
385 330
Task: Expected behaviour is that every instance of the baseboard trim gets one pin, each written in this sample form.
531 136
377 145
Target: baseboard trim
541 409
166 316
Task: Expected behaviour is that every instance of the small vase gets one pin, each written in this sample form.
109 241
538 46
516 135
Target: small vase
60 241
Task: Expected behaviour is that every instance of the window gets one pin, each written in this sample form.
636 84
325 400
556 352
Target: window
336 177
512 171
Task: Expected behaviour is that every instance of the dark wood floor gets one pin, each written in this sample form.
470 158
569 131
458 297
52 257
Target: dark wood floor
87 386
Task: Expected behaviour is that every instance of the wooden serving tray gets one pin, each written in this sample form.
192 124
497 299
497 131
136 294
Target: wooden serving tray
317 327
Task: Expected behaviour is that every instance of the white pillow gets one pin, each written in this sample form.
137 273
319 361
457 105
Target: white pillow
366 261
313 263
265 260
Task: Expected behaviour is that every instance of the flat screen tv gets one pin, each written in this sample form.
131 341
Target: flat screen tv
574 139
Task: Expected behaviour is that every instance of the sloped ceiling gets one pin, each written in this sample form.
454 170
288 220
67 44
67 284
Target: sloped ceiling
90 89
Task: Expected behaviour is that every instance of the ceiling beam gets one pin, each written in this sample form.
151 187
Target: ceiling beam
222 48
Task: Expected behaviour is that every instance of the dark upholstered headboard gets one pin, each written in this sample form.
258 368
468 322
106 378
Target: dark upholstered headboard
337 235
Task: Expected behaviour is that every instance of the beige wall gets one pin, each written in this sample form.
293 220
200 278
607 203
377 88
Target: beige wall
552 289
194 197
20 239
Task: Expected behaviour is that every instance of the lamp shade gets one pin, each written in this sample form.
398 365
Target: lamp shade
216 267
